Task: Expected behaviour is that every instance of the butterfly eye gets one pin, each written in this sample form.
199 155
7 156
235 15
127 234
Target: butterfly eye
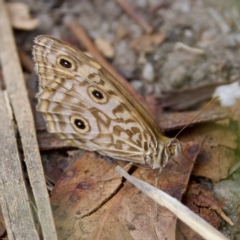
79 124
66 62
97 95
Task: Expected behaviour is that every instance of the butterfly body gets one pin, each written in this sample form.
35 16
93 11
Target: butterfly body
84 104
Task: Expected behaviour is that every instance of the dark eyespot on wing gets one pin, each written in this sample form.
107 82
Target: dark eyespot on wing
97 95
80 124
65 63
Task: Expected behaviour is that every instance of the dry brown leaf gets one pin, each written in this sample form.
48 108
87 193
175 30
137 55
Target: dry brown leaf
147 42
178 120
56 162
110 210
20 17
49 141
104 47
185 98
217 153
80 192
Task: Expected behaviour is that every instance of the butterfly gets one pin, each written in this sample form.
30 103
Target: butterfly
85 105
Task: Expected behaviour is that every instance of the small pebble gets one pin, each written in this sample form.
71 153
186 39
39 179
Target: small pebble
137 84
178 77
148 72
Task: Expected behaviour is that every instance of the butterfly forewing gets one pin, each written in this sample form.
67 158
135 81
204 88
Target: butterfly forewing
83 103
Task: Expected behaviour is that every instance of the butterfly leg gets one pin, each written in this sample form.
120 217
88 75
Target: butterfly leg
155 216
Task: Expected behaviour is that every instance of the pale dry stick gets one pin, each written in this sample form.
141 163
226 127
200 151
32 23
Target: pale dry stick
14 200
219 20
226 218
194 221
181 46
81 35
8 105
116 175
135 15
18 97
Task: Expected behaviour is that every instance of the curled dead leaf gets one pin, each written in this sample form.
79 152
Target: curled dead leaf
20 17
147 42
104 47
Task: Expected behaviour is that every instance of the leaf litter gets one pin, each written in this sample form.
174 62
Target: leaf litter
78 197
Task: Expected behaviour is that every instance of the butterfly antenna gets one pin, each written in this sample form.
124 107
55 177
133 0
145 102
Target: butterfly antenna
205 107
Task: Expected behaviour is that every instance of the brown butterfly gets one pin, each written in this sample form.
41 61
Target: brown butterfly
84 104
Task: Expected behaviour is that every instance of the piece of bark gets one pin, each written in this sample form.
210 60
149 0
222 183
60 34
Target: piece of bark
200 200
13 193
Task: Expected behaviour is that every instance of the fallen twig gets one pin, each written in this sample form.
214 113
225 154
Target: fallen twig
18 98
135 15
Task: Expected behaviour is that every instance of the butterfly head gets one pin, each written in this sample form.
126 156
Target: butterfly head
173 148
170 149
